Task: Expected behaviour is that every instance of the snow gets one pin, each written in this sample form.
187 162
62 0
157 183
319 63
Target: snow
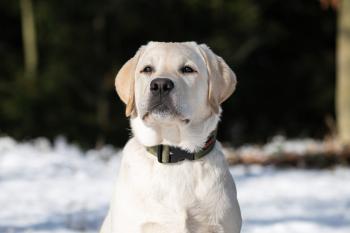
294 200
59 188
279 145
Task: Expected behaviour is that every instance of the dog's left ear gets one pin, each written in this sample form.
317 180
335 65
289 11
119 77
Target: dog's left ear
125 83
222 80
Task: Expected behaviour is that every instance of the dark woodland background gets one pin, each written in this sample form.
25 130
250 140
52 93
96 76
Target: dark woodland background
283 53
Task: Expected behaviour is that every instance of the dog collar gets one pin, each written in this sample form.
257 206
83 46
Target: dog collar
171 154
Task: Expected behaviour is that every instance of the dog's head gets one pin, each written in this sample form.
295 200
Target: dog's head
173 93
164 82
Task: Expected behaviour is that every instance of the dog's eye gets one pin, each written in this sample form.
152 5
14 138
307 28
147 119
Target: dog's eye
147 69
187 69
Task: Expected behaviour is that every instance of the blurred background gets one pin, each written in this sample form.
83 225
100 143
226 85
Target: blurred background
61 122
60 58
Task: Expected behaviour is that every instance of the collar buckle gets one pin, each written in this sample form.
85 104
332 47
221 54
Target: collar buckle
159 153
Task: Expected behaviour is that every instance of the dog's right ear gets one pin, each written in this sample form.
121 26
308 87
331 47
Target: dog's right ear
125 82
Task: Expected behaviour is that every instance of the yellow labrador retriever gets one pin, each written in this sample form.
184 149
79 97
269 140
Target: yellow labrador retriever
173 176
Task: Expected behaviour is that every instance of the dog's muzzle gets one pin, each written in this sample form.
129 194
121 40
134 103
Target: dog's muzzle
160 100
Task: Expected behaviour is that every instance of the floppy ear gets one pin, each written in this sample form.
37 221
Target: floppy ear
222 80
125 83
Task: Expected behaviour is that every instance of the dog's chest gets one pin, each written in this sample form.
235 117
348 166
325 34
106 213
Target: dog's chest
188 194
185 183
183 179
172 187
184 194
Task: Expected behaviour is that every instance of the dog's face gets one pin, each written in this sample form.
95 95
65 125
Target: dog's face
171 84
174 82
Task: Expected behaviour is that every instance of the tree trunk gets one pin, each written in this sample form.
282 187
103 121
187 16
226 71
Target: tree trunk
343 73
29 38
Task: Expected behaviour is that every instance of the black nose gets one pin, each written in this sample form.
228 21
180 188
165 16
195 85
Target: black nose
161 86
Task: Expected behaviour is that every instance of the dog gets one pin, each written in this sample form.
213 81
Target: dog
173 176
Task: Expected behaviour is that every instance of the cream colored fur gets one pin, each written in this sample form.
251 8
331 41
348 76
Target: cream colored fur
189 196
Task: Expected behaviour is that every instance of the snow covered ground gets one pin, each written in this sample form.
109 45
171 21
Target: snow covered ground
59 188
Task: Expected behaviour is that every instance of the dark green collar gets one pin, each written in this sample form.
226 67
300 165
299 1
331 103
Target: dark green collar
171 154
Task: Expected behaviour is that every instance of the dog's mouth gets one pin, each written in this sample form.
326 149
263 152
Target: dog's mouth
151 116
163 110
161 107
